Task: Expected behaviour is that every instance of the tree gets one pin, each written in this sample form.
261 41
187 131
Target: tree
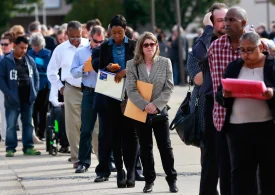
84 10
9 7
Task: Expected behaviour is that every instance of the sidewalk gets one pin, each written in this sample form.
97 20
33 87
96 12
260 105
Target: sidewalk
47 174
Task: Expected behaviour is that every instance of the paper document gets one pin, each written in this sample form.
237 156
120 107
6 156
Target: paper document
132 111
241 88
106 85
88 65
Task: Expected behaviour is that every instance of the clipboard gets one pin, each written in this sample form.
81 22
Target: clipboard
131 110
106 85
88 65
242 88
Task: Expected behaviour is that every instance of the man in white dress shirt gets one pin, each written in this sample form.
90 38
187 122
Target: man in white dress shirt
62 57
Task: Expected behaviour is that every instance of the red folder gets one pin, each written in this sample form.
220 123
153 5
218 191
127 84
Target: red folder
241 88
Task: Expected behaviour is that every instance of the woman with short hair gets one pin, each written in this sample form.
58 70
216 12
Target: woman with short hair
250 122
149 67
41 57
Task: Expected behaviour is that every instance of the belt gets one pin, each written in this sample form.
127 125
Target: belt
89 89
78 88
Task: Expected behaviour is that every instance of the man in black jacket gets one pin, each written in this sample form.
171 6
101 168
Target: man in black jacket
214 28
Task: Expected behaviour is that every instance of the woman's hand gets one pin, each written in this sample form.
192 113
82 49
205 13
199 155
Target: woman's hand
226 94
268 94
198 79
120 75
112 68
151 108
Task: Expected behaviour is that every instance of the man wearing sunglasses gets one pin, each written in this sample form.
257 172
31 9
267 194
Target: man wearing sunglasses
81 60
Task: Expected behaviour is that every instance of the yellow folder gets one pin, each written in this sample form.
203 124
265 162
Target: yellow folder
88 65
132 111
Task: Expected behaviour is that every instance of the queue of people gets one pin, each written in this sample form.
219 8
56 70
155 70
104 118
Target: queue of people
237 146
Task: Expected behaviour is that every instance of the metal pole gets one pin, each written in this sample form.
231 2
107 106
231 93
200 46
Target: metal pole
44 15
182 73
153 15
36 12
268 15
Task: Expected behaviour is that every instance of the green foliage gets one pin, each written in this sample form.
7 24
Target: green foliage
8 7
139 11
84 10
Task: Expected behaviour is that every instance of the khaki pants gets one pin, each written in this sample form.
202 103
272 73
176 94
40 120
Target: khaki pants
72 100
95 139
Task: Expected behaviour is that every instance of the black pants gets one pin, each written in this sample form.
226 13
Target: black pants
209 171
252 145
215 157
162 135
40 112
58 114
116 133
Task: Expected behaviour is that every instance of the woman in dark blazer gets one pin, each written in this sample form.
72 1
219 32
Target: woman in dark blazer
250 122
118 129
149 67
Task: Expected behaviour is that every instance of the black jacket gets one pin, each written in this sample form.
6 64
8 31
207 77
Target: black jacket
233 70
106 53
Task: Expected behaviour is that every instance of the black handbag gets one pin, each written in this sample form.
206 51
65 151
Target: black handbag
186 123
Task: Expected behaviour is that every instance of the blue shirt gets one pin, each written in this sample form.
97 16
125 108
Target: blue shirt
81 56
119 52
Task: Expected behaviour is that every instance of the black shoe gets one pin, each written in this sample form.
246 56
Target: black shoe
148 188
139 177
112 167
64 150
81 169
69 159
173 187
130 179
121 179
101 179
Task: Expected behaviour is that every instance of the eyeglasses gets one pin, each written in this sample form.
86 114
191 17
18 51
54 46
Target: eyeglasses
231 19
146 45
75 38
248 51
5 44
96 41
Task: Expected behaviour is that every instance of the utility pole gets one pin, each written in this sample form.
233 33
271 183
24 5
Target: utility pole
153 15
182 73
267 11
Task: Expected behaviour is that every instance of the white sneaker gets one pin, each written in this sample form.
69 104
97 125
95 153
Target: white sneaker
36 140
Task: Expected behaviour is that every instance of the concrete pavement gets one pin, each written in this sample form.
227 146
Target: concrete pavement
47 174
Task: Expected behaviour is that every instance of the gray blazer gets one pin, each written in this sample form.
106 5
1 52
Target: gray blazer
161 77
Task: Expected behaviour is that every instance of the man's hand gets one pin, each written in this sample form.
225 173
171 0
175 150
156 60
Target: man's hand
62 90
198 79
120 75
112 68
151 108
268 94
226 94
207 20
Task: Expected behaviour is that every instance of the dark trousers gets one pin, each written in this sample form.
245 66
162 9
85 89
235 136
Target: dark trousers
209 163
58 114
88 119
162 135
252 145
117 134
40 109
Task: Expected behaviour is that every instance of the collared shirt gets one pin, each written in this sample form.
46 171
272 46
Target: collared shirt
220 54
80 57
62 57
119 52
53 98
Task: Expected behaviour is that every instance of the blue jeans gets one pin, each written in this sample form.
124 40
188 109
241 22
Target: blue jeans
12 114
176 73
88 119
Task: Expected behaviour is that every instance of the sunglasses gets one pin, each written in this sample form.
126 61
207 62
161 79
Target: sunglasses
75 38
146 45
96 41
5 44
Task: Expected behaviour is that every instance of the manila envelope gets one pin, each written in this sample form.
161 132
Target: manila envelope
132 111
88 65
